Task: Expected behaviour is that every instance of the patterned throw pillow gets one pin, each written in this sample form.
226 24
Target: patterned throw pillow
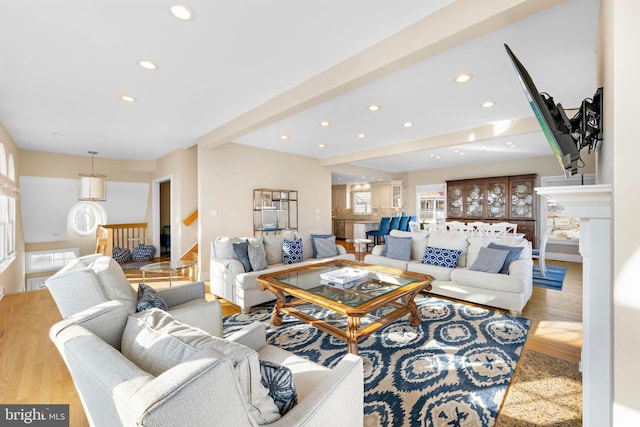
291 251
257 257
514 254
397 247
149 298
143 253
326 247
279 380
441 257
313 242
121 255
489 260
241 253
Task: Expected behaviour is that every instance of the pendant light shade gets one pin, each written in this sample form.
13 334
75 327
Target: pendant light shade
93 187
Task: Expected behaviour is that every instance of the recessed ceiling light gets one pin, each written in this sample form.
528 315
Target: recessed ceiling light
128 98
437 157
322 145
463 77
488 104
432 155
148 65
461 153
284 136
407 124
324 123
339 179
183 12
509 143
373 107
512 146
361 135
456 151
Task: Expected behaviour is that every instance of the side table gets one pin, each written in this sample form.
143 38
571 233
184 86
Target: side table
360 246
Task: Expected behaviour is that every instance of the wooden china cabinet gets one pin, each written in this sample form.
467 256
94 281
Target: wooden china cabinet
495 199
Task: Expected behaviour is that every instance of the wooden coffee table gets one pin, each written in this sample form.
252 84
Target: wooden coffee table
367 304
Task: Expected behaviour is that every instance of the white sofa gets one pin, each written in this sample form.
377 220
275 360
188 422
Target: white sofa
94 279
505 291
149 369
229 280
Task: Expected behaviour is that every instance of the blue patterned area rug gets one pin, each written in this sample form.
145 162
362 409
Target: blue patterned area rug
553 279
454 370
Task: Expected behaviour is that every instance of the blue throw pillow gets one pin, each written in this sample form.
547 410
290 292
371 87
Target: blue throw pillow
292 251
313 242
489 260
279 380
441 257
121 255
326 248
397 247
143 253
149 298
514 254
241 253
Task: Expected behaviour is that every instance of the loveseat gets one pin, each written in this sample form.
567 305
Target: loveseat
94 279
149 369
461 279
234 277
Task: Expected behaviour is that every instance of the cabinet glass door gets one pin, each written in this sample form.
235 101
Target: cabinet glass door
497 199
522 199
455 200
475 200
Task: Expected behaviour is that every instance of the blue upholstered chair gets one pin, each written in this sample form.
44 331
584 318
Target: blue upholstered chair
404 223
395 223
383 229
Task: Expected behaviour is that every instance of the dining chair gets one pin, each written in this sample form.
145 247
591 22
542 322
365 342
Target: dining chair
414 226
491 230
511 227
395 223
540 252
412 218
404 223
383 229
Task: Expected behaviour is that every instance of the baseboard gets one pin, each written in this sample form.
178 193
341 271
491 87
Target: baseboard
563 257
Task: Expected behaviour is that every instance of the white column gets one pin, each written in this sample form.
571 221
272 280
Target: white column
592 204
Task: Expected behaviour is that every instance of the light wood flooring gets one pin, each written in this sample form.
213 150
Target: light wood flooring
32 371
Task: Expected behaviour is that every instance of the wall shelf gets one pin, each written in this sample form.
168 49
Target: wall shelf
274 210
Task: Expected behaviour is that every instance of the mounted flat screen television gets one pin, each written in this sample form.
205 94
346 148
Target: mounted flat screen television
566 137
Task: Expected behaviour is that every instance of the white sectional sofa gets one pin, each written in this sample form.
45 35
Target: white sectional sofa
509 291
229 278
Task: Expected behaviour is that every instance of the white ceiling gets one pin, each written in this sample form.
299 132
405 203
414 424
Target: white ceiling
249 71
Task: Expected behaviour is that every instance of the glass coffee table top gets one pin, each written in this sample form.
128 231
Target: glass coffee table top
377 282
168 267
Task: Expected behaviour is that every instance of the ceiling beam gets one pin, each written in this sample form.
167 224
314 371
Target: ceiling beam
491 131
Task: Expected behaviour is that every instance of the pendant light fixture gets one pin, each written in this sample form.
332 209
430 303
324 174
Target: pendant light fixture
93 187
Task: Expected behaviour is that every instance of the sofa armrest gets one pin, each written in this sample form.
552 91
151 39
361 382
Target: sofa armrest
180 294
222 274
253 336
341 249
200 388
377 250
75 291
339 396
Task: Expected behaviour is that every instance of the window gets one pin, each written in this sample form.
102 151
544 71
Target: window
566 230
84 217
38 261
8 194
361 202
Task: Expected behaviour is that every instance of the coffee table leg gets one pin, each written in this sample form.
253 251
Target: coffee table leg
353 324
276 317
414 316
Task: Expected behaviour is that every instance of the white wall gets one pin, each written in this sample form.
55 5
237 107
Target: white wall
619 166
227 176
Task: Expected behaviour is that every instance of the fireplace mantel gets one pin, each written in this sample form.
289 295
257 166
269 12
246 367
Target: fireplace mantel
592 204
